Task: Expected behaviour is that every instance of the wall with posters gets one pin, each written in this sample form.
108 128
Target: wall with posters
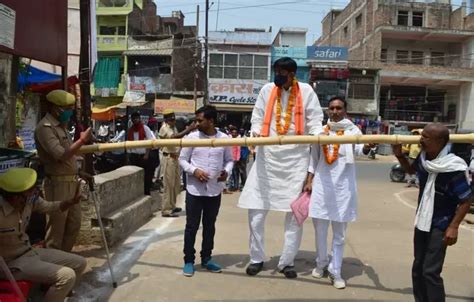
234 91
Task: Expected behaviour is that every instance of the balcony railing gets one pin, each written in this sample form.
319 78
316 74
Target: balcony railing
113 3
114 7
111 43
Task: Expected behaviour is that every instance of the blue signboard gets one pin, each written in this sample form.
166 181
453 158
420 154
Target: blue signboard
292 52
325 53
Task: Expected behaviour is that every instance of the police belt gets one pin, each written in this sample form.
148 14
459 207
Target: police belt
64 178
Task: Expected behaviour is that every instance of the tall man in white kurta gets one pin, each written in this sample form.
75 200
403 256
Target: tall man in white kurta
279 172
334 191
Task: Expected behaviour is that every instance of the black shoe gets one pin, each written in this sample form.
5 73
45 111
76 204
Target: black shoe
173 215
177 210
254 268
289 272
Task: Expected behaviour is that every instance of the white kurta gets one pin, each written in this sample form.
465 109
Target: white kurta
278 174
334 195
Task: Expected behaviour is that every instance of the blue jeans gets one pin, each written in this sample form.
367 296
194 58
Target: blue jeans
196 206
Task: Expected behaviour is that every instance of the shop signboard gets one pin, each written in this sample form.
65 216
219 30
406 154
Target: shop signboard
234 91
327 53
178 105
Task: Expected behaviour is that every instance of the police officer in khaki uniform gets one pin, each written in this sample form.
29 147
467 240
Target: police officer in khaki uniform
57 154
57 269
170 164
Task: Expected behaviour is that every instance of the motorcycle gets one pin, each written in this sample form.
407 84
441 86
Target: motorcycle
107 161
397 174
373 152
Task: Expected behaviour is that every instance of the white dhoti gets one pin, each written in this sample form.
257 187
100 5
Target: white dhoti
293 235
278 174
321 227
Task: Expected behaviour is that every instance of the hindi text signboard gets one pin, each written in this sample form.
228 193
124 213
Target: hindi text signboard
234 91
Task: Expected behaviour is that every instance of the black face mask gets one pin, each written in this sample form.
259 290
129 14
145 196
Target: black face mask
280 80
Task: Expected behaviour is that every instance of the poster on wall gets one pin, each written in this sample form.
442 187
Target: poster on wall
233 91
27 119
7 26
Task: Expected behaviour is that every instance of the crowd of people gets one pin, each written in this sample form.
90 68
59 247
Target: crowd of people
278 176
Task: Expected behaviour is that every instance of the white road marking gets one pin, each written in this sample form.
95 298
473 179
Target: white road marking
408 204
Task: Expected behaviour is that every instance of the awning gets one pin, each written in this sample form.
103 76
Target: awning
31 75
49 86
149 52
106 109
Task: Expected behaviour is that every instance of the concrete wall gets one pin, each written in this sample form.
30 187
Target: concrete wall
465 107
7 101
293 39
123 206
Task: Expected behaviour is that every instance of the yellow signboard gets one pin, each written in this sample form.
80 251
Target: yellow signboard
178 105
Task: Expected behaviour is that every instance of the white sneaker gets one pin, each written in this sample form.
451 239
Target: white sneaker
318 273
337 282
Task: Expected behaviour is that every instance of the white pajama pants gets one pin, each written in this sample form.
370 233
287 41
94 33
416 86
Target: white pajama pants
321 227
293 234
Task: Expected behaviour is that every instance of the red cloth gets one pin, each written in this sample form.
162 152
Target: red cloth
137 128
236 153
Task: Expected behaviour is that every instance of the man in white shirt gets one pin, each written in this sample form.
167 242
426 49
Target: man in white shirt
332 180
206 169
279 172
140 156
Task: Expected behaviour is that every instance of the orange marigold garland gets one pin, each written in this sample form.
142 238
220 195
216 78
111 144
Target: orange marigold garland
289 109
330 158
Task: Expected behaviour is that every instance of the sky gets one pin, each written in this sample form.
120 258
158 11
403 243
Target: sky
259 14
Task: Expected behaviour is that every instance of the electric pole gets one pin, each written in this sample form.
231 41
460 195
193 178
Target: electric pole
206 56
84 73
196 58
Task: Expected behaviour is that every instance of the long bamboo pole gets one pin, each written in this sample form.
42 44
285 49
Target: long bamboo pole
273 140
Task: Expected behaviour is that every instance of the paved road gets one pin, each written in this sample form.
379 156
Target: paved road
376 266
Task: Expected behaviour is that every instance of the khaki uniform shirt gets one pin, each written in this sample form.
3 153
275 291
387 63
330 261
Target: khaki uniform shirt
52 140
167 132
14 241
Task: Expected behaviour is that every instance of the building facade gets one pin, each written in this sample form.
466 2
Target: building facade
422 52
142 55
239 66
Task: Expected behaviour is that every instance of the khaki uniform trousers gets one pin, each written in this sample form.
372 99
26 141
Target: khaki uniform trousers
62 228
171 184
58 269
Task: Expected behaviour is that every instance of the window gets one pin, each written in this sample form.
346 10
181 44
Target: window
121 30
261 61
345 32
361 88
106 30
112 30
437 58
402 57
230 60
260 73
216 72
358 21
216 59
417 57
230 73
417 19
238 66
246 60
383 55
402 17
